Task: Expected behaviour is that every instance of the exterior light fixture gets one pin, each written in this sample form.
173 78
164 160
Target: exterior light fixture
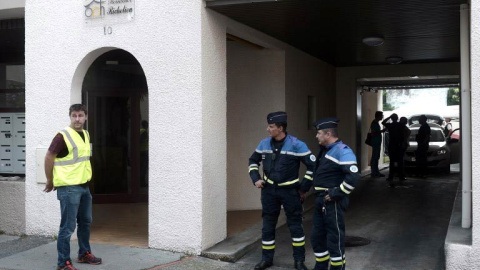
373 41
393 60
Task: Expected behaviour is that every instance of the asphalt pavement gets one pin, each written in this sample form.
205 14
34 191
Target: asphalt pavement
406 226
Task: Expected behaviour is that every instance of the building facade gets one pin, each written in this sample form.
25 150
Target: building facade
205 99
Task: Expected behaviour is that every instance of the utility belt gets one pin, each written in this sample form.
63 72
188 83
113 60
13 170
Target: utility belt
290 183
320 191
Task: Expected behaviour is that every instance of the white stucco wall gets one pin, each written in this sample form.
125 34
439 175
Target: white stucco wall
256 87
167 38
214 129
12 205
475 75
346 78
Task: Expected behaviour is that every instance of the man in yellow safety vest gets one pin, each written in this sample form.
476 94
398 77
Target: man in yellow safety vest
68 171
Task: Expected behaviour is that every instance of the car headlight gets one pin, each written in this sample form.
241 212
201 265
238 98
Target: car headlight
441 152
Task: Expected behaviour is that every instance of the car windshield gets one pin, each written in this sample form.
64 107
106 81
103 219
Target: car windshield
436 135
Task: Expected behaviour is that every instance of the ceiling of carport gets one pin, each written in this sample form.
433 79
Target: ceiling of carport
419 31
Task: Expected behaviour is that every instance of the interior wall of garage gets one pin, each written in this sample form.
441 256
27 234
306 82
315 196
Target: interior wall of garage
255 87
279 77
308 76
346 91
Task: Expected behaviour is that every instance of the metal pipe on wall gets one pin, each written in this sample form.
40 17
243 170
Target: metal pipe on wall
466 121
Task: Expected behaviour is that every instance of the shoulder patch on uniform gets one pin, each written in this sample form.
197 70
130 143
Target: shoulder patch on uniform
353 169
313 158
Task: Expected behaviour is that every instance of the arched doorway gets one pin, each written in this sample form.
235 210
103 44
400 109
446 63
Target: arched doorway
116 94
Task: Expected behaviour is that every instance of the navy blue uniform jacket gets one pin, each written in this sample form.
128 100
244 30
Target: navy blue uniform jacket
282 169
336 170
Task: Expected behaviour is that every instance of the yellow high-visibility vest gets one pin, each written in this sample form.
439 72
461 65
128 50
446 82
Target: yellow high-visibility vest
75 168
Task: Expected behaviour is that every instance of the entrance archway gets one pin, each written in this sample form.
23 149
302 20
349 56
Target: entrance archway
116 94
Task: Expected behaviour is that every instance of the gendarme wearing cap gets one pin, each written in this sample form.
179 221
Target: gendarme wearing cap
329 122
277 117
281 185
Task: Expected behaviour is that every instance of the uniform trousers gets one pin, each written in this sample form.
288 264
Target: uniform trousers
328 233
273 198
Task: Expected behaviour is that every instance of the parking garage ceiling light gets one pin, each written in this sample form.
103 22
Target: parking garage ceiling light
394 60
373 41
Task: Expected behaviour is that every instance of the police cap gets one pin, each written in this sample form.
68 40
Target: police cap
329 122
277 117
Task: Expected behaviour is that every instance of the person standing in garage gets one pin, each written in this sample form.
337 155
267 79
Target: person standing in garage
423 140
394 145
376 132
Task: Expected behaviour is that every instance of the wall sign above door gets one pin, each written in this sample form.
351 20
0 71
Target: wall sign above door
100 12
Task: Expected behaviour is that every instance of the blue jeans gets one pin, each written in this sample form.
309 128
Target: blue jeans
75 207
374 160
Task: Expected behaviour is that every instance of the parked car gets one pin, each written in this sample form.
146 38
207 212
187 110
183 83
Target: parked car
431 118
440 155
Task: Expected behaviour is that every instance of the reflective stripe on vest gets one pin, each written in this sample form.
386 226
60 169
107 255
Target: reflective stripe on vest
75 168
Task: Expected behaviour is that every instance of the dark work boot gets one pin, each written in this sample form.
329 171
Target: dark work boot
300 265
263 265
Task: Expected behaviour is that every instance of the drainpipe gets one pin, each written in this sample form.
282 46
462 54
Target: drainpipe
466 115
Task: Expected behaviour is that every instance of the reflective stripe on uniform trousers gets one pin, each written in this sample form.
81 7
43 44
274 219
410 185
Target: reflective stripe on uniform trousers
268 244
322 256
298 242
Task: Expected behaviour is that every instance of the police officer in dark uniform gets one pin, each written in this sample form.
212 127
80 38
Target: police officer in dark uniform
335 177
281 155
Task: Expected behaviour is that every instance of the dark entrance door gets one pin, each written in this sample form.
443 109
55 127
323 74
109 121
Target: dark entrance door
114 125
115 92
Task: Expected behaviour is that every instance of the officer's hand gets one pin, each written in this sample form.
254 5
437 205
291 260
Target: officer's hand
49 187
259 183
327 198
303 195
